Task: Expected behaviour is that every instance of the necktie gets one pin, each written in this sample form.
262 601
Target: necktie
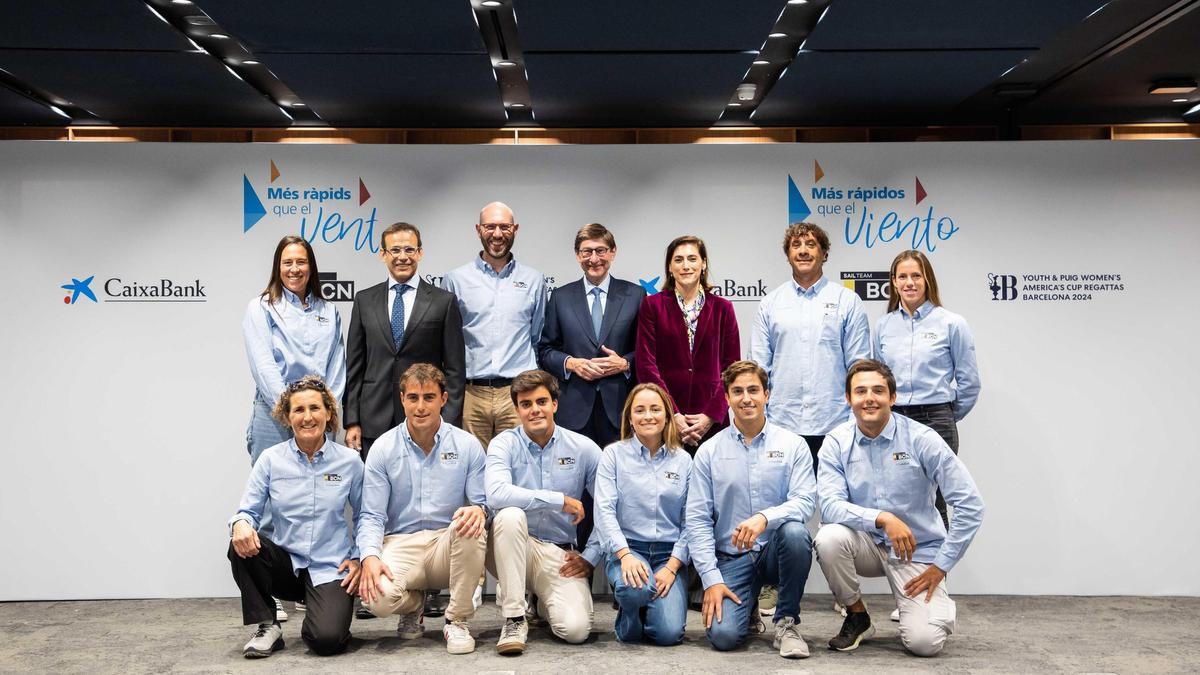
398 314
597 312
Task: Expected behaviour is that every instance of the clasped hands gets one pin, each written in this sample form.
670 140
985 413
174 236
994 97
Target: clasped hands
601 366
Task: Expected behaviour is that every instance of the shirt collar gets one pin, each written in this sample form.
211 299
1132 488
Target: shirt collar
412 445
295 299
487 269
812 291
413 282
741 438
888 433
320 453
534 447
588 286
922 311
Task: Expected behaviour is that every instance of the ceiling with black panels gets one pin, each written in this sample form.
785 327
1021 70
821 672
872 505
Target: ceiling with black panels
618 63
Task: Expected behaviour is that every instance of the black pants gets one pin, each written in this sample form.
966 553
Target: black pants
268 575
940 418
600 429
814 446
366 447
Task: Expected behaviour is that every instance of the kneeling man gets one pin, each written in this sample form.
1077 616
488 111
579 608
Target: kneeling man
423 514
877 477
751 490
536 475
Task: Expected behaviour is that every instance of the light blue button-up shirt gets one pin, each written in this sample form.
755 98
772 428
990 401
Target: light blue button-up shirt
899 471
641 497
732 481
534 479
806 339
502 316
932 354
308 502
407 491
286 341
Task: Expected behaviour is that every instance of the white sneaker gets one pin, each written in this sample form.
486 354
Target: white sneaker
477 598
300 607
280 615
268 638
411 626
788 640
895 614
458 637
513 636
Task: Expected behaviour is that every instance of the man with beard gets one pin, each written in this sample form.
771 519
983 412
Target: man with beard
503 305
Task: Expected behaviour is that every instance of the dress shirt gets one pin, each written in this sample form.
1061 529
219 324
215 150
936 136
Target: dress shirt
641 497
286 341
407 491
899 472
587 295
409 296
807 339
932 354
502 316
732 481
308 501
522 474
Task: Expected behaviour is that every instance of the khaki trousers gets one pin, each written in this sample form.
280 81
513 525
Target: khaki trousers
487 411
522 562
429 560
846 554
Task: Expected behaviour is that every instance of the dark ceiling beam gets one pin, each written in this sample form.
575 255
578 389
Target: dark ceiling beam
70 112
497 21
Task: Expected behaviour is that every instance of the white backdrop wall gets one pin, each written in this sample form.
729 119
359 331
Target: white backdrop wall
126 449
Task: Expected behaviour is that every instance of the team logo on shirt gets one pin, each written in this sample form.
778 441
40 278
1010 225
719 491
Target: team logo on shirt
332 478
774 454
671 476
900 456
929 336
520 284
566 461
450 456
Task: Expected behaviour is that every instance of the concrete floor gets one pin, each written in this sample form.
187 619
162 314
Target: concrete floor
997 634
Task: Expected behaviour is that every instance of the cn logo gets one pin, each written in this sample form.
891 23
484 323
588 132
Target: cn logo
1002 286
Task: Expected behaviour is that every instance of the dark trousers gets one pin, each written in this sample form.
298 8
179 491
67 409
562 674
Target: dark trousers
601 430
940 418
814 446
268 575
366 447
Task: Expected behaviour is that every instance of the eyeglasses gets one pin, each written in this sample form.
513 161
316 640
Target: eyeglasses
505 228
306 383
588 252
409 251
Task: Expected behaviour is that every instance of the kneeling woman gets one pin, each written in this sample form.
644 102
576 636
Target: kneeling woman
641 492
311 557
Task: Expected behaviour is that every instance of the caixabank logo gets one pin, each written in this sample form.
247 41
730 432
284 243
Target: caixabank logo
329 213
734 290
872 214
118 289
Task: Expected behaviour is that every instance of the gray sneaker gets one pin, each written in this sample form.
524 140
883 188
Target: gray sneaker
768 597
411 626
788 640
280 613
268 639
513 636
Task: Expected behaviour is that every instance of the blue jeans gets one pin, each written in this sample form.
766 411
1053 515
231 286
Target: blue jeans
783 562
641 617
262 433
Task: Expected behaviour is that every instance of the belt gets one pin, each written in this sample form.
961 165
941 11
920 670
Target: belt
927 407
491 381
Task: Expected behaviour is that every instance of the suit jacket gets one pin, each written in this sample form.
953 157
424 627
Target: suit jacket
433 334
568 332
691 377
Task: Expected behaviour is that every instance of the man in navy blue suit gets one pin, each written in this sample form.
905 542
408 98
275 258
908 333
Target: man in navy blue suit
588 342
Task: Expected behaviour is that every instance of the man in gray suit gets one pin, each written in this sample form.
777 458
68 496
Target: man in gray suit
393 325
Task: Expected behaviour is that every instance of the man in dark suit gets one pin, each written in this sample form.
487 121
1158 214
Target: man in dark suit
393 325
588 342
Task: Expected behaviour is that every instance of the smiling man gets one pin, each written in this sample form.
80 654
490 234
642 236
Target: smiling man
877 477
424 519
536 474
751 490
503 305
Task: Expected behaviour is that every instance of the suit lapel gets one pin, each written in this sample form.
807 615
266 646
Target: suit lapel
583 311
383 315
420 307
616 297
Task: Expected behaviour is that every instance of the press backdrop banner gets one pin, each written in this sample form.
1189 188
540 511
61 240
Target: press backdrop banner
128 267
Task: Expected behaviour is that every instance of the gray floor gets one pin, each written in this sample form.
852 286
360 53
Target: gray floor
996 634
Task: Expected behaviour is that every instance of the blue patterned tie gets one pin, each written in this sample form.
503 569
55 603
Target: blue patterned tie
398 314
597 312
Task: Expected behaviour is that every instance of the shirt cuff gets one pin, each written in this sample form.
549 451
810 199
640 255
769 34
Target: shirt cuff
680 553
943 561
551 497
868 520
593 555
369 551
241 516
774 516
711 578
618 542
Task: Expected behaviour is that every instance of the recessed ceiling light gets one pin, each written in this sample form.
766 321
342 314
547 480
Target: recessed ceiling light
506 64
181 2
516 105
59 111
777 35
797 2
297 104
219 36
762 62
1179 100
250 63
1173 87
491 3
735 105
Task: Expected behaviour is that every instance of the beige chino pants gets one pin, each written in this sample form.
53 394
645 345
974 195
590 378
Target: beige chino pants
430 560
846 554
487 411
523 562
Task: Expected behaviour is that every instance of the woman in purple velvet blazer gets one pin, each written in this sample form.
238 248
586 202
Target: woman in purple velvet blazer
686 337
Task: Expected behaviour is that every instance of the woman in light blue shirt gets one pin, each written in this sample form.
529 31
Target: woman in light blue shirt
290 331
930 350
641 494
310 557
